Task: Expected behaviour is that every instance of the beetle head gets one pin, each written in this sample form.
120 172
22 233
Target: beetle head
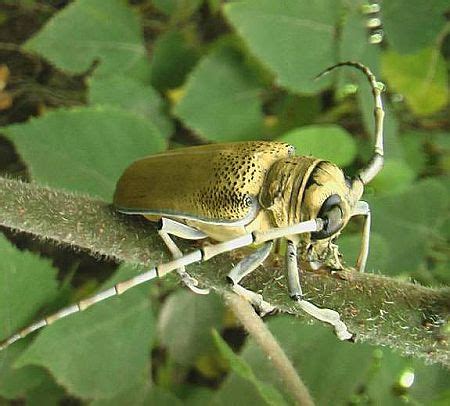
331 196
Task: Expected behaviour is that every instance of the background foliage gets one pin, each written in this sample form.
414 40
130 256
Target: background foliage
87 86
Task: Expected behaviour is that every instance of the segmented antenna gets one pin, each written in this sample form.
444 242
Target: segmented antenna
199 255
376 163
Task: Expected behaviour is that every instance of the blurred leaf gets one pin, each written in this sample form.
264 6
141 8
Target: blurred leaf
93 30
331 369
294 39
27 282
329 142
421 78
270 395
293 111
386 386
129 94
48 393
379 253
144 393
414 151
222 99
410 25
102 351
179 10
185 324
395 177
408 221
172 59
441 141
84 149
354 37
161 397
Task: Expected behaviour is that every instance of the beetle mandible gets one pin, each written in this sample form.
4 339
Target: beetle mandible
241 194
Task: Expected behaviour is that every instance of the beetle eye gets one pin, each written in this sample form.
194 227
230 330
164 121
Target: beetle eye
332 215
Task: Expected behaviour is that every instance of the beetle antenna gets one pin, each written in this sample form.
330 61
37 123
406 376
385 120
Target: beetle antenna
377 161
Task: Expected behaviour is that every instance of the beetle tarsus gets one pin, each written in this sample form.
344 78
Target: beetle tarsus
192 283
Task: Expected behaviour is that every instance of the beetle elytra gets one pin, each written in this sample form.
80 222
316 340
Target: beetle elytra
241 194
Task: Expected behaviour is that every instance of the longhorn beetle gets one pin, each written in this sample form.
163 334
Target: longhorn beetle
241 194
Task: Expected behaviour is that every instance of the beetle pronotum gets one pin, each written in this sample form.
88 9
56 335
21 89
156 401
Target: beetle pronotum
241 194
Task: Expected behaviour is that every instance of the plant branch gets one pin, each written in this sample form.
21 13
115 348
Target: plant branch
267 342
383 311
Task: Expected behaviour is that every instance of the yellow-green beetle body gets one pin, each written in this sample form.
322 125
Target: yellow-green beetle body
227 190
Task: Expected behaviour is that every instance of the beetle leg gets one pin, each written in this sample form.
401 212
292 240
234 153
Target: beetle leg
181 230
188 280
295 289
362 209
244 268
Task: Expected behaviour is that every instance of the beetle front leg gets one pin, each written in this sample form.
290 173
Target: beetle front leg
244 268
294 286
362 209
167 227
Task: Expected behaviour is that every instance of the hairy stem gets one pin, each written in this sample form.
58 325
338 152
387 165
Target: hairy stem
383 311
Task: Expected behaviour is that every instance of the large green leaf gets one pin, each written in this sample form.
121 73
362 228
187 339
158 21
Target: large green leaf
185 324
329 142
411 25
129 94
295 39
421 78
172 58
93 30
84 149
221 102
27 282
409 222
102 351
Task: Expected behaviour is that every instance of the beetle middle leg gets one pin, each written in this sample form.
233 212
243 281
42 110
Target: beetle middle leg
245 267
166 227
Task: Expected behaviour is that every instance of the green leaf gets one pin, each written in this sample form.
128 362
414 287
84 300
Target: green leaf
172 59
84 149
421 78
129 94
179 10
48 393
221 102
390 385
409 221
102 351
331 369
329 142
395 177
379 254
410 25
185 323
27 282
270 395
294 39
414 150
89 30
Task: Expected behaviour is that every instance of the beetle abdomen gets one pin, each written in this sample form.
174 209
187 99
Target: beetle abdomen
212 183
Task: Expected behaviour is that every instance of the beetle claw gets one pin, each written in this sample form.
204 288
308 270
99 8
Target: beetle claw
192 284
